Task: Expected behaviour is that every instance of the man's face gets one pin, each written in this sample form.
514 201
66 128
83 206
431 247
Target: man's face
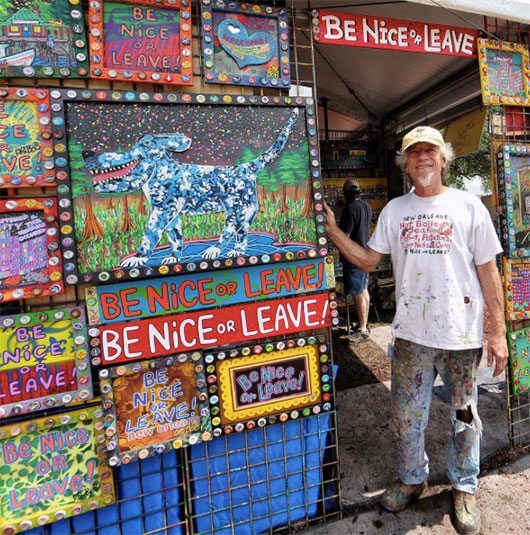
425 164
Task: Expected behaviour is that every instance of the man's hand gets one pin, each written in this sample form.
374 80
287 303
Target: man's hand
497 353
331 222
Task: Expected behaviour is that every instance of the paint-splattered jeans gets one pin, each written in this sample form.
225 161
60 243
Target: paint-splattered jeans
414 369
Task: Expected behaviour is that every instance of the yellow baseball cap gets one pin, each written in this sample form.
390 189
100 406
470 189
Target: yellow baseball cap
422 134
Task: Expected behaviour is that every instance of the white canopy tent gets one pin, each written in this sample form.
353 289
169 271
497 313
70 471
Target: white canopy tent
514 10
405 88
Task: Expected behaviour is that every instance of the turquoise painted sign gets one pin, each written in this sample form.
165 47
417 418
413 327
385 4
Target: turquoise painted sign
142 299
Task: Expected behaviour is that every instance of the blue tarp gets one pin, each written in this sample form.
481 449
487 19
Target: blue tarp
252 482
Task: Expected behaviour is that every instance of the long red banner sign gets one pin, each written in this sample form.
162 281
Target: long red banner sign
167 335
352 29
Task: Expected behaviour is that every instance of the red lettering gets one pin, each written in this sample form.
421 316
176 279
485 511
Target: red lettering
127 304
109 306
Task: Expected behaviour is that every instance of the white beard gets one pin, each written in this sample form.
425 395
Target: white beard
425 181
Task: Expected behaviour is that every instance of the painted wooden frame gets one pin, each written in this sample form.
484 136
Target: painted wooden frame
44 360
513 175
43 39
279 231
149 45
128 341
56 455
260 54
508 84
26 147
257 385
517 289
30 267
519 348
156 406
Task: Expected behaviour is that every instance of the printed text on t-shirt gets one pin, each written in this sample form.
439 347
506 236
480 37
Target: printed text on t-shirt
426 234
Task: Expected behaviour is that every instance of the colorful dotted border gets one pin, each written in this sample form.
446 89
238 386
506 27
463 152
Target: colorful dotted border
519 349
97 45
483 45
260 351
79 335
107 396
36 518
515 310
42 100
508 181
73 276
213 76
77 25
55 286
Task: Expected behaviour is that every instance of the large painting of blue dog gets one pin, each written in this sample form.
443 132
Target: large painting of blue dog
157 185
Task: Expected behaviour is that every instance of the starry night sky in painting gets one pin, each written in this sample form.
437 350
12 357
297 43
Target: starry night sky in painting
219 133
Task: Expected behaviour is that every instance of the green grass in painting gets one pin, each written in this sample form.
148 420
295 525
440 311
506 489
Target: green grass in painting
106 253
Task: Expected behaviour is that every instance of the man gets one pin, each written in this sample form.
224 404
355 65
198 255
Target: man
355 221
443 246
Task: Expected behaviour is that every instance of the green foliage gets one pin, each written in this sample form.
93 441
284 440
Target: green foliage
467 167
102 254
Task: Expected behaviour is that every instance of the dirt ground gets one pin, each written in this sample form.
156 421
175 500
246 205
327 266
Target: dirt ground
359 364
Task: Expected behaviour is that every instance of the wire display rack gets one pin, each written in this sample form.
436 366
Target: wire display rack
278 478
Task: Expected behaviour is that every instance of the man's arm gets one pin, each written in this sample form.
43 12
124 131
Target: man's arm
365 259
490 283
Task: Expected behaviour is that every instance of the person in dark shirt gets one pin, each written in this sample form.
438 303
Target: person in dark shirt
355 221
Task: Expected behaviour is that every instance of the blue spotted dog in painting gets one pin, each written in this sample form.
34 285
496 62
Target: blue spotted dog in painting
173 188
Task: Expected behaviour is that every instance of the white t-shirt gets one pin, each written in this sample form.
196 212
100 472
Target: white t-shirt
435 243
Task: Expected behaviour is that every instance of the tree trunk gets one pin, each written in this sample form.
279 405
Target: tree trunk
284 199
141 206
126 224
307 210
92 228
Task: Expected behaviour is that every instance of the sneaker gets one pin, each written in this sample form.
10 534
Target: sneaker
399 496
358 336
467 513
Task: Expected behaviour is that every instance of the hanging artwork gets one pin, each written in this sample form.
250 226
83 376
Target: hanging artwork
517 289
141 40
252 386
42 38
342 154
155 406
52 468
44 360
519 348
113 303
160 184
513 175
26 147
208 329
245 44
30 260
504 72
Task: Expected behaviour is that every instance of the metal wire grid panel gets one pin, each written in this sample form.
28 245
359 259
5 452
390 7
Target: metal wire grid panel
277 478
511 125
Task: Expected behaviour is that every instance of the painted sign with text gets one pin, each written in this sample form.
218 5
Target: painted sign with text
519 348
30 261
166 335
258 385
26 146
517 288
504 72
141 40
142 299
352 29
50 469
153 407
44 360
